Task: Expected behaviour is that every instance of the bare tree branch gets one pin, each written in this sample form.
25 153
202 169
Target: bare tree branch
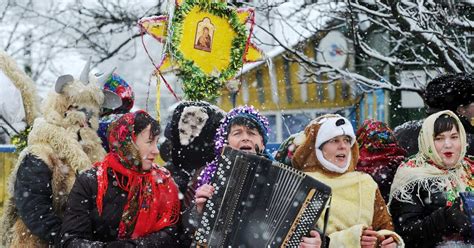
422 35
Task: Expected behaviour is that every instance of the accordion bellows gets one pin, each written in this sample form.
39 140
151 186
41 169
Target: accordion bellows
259 203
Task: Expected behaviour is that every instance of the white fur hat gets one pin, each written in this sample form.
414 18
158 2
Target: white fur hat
332 127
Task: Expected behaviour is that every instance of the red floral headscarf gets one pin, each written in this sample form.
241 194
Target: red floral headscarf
379 153
377 143
152 201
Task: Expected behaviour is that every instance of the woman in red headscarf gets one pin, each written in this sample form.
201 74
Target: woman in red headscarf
379 154
125 200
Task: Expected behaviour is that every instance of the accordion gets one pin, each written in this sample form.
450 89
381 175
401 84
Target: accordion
259 203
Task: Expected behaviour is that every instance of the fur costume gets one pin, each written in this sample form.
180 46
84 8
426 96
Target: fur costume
190 135
192 126
357 202
64 139
23 83
18 103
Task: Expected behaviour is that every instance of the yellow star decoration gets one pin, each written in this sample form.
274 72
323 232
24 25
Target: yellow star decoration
208 42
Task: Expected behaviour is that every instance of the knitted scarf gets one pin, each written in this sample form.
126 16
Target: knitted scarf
427 171
152 201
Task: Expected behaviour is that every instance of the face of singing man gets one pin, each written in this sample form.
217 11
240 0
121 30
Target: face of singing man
245 138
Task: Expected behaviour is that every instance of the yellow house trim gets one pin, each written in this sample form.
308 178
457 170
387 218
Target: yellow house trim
313 100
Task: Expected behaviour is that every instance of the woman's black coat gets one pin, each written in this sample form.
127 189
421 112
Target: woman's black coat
424 223
33 195
83 227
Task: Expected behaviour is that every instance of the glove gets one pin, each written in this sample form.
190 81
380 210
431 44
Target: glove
456 220
121 244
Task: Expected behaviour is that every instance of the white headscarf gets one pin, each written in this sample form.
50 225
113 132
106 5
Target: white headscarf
427 169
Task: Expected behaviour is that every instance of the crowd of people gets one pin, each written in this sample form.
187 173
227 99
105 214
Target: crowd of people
76 185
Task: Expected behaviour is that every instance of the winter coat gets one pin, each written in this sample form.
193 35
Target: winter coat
33 196
83 227
204 174
469 136
405 134
425 222
182 177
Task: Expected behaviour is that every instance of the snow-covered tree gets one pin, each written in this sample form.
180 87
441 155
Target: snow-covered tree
45 36
387 36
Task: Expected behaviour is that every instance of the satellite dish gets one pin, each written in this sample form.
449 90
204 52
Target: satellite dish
333 50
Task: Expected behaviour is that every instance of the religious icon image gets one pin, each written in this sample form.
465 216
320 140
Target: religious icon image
204 35
205 42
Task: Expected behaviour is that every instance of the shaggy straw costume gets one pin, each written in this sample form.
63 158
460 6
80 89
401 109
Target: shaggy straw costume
23 83
356 200
64 139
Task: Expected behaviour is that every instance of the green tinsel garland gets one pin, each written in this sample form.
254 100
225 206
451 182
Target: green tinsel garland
197 85
20 140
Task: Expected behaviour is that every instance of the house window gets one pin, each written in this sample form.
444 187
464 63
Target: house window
294 123
260 89
288 89
346 91
272 125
